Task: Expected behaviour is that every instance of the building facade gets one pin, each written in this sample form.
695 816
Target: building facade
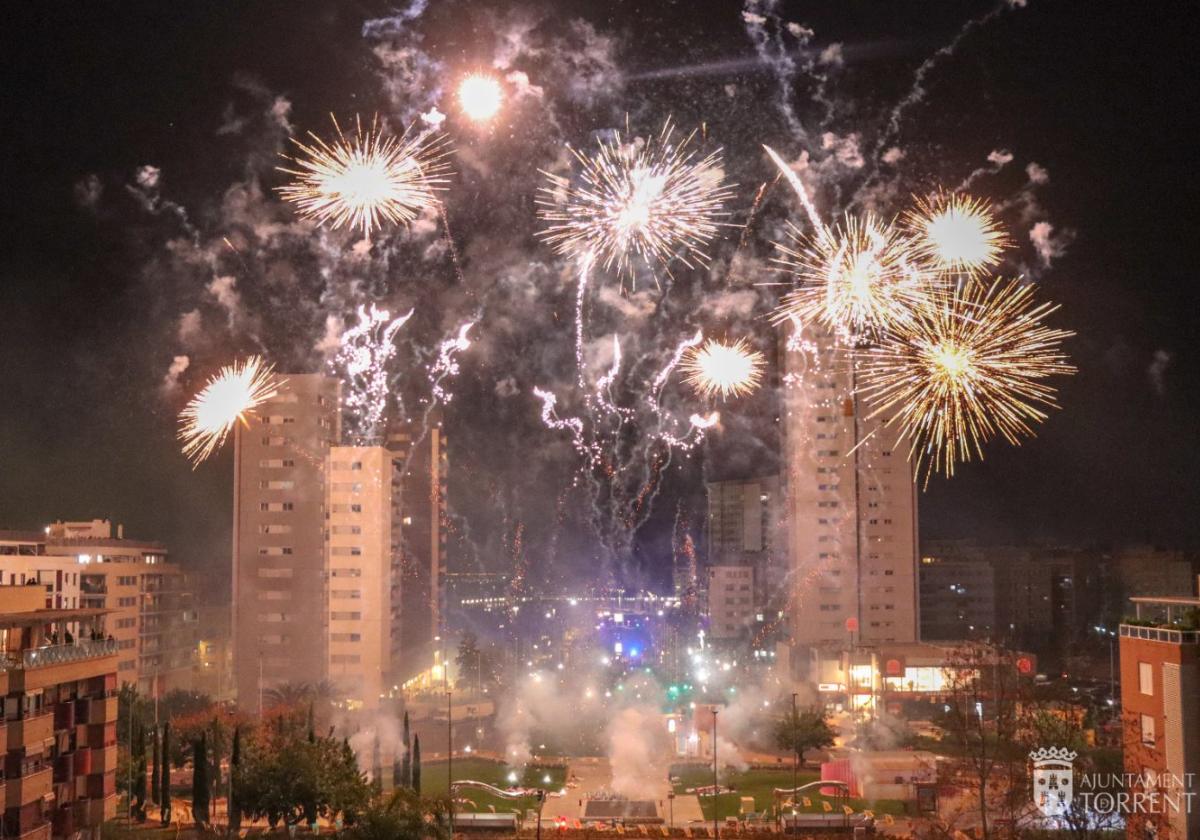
91 564
421 452
958 595
60 718
359 486
279 577
1160 684
850 502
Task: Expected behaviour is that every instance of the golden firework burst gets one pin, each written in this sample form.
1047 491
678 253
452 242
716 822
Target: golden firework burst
229 397
859 278
956 233
720 369
656 200
366 179
964 369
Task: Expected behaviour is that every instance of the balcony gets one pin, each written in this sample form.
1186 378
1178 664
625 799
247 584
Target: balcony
25 732
62 654
93 812
104 760
1160 634
40 832
99 710
26 789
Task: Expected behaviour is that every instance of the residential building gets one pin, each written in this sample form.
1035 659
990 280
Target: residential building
745 528
958 595
731 608
82 564
279 568
1160 684
60 718
359 485
851 505
213 667
419 534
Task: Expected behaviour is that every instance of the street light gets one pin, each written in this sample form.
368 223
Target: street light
795 757
716 798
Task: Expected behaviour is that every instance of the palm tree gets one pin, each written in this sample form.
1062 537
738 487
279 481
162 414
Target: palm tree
288 695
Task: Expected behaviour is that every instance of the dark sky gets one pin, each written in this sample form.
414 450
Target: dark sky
1101 95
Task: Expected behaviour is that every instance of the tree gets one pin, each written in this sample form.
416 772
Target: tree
293 780
235 759
137 757
376 765
416 764
472 661
803 729
154 771
165 786
406 759
200 790
405 815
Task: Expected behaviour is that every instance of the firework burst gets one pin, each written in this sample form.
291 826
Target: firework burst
965 369
718 369
229 397
366 179
480 97
652 200
859 278
956 233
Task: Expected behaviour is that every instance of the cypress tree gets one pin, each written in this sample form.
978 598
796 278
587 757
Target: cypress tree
154 771
312 729
376 766
137 755
165 786
406 759
200 780
235 759
416 764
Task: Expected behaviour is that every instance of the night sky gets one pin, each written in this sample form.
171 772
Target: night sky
98 272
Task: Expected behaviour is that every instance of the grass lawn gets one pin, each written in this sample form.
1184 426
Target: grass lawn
761 785
433 781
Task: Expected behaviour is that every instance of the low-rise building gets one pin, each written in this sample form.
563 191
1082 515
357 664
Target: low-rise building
1160 715
60 718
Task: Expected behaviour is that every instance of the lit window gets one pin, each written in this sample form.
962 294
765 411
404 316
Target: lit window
1146 678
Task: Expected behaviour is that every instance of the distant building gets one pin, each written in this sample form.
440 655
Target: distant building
279 569
731 608
1146 571
83 564
213 667
60 712
1160 684
421 452
851 505
744 528
958 596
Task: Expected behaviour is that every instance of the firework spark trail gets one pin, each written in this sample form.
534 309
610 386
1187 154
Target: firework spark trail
366 179
447 363
655 392
586 261
227 399
655 200
797 185
602 394
965 370
363 357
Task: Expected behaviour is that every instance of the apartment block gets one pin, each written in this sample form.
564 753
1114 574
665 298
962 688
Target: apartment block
60 718
91 564
421 451
359 488
279 570
850 503
745 527
1160 684
958 595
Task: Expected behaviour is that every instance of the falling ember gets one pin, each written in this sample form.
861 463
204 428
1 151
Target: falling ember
480 97
366 179
957 233
859 278
716 369
964 370
229 397
654 200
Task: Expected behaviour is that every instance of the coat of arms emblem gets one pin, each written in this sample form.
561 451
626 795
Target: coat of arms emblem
1053 776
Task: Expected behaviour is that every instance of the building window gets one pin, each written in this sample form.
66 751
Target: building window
1148 730
1146 678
